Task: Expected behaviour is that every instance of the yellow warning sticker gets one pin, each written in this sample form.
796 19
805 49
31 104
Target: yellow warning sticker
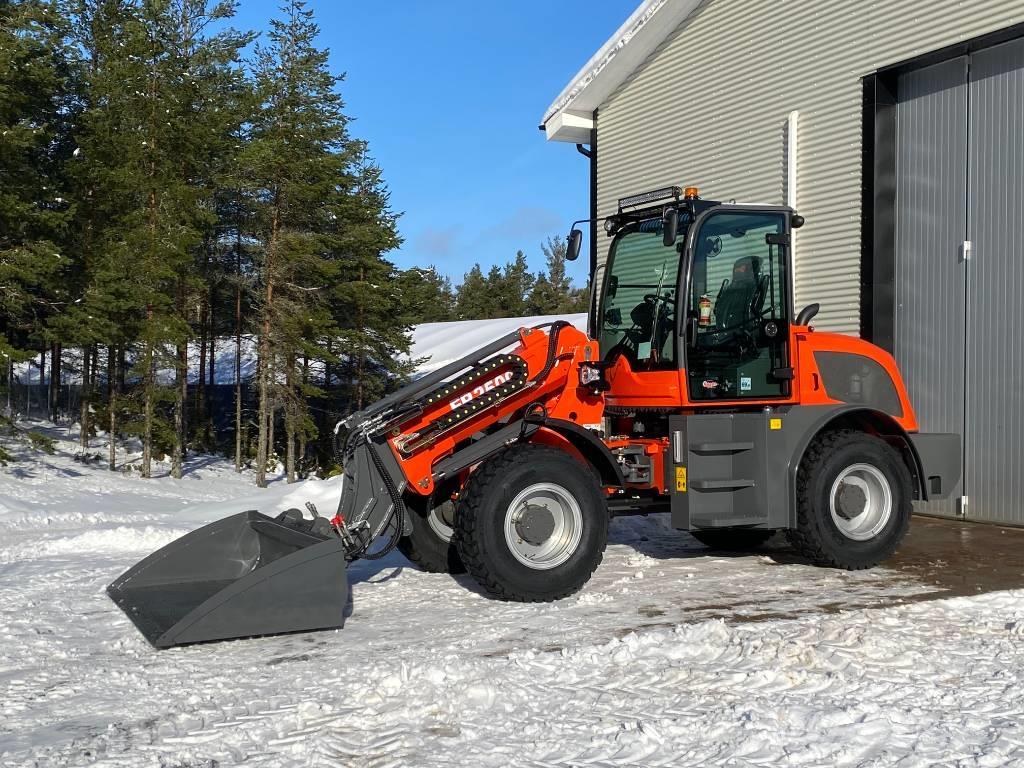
681 479
774 423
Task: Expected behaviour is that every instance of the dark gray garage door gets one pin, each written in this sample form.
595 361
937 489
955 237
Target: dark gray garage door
959 279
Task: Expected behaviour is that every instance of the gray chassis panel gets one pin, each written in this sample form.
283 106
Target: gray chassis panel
934 455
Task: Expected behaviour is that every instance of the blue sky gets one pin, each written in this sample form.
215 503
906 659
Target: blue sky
449 94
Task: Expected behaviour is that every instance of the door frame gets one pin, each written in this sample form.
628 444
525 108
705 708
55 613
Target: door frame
683 291
878 181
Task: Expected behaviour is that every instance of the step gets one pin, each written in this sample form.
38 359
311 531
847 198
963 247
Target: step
720 485
724 522
721 447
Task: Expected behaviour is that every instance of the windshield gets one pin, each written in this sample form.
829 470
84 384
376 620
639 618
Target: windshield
637 316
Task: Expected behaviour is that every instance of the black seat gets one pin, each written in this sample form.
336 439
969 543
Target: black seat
735 302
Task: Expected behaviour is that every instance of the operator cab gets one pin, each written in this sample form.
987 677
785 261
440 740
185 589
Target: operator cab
700 287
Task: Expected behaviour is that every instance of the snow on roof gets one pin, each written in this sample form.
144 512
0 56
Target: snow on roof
570 116
438 344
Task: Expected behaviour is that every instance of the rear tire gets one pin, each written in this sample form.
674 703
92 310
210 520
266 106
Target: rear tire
531 524
853 501
429 545
733 539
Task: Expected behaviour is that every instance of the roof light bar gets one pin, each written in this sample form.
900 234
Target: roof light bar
666 193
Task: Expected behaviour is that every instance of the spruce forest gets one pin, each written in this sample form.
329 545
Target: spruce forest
173 192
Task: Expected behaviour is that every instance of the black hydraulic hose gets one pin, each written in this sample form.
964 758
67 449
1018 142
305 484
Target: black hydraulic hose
397 516
556 328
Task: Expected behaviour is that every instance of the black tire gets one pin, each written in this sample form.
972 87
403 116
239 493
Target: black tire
733 539
427 548
816 535
480 520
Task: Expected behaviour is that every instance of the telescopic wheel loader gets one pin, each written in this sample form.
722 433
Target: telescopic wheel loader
699 392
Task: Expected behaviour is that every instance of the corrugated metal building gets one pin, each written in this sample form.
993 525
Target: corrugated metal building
897 130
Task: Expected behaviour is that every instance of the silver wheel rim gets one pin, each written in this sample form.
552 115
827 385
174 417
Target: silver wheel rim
867 521
439 524
566 521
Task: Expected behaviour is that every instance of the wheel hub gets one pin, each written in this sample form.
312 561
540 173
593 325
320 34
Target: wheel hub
851 501
543 526
536 524
861 502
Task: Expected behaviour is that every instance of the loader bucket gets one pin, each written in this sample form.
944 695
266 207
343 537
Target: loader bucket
245 575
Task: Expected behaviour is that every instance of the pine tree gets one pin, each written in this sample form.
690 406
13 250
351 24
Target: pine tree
152 125
473 300
36 96
553 292
426 296
322 222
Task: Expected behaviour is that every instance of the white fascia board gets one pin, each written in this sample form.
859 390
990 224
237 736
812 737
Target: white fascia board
569 126
646 28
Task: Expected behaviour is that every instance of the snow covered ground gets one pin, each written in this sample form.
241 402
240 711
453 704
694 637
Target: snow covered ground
672 655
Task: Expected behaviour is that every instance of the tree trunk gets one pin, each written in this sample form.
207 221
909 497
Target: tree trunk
213 343
42 375
148 382
265 445
180 403
302 432
55 366
238 379
201 379
112 378
238 348
289 420
83 419
270 434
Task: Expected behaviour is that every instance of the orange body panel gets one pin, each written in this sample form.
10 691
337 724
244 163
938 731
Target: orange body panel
668 389
808 380
558 394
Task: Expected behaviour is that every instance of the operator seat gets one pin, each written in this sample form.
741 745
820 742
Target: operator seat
735 303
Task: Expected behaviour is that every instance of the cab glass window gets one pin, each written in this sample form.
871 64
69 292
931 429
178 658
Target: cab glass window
637 312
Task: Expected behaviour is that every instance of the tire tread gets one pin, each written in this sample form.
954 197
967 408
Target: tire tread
467 542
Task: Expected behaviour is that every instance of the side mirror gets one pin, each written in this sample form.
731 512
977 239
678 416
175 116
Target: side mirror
572 247
670 226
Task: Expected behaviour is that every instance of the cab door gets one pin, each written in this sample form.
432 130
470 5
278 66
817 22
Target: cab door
736 332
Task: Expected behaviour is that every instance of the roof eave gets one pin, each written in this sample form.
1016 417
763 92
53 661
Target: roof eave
646 28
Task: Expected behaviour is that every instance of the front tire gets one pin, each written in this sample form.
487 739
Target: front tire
853 501
531 524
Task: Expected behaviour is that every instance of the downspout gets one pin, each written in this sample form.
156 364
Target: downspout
591 155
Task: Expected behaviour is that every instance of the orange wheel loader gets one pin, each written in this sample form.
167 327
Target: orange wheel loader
699 392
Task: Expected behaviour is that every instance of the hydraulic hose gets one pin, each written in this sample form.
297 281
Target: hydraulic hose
549 363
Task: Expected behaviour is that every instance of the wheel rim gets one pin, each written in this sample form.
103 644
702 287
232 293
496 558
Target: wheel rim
441 522
543 526
861 502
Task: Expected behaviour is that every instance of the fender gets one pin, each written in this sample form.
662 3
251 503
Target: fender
810 420
590 447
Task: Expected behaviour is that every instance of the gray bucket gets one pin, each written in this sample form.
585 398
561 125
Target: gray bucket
242 576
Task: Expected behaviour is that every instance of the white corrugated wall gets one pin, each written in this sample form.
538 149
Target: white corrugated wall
709 108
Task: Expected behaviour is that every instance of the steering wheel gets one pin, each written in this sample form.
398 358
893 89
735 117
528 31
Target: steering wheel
655 297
